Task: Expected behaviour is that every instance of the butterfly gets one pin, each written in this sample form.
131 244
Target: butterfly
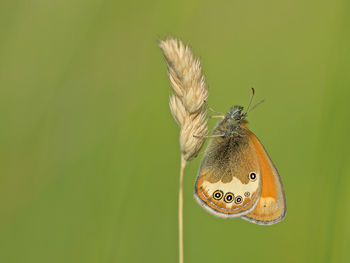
237 177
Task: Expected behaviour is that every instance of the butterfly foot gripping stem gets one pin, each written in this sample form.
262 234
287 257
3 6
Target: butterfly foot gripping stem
210 136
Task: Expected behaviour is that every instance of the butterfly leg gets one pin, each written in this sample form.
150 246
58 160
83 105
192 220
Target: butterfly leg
210 136
211 109
216 117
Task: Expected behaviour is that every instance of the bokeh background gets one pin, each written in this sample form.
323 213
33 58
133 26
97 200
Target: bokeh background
89 151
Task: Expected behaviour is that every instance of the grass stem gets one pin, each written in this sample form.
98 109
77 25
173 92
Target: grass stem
181 249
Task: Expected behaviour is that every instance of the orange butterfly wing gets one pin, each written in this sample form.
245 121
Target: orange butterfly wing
271 206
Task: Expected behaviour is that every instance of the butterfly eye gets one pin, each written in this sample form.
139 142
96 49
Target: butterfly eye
229 197
217 195
252 176
238 199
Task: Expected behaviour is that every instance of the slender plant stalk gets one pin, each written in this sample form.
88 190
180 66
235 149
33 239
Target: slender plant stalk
181 243
187 105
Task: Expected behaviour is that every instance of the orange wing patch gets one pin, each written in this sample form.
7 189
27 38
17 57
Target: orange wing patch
271 206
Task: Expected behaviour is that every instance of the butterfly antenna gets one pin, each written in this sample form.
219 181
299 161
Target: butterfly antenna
255 106
251 99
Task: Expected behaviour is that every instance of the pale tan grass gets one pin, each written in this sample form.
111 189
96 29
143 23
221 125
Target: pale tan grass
187 105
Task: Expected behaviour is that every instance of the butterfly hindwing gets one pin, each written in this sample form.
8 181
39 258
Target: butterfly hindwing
229 179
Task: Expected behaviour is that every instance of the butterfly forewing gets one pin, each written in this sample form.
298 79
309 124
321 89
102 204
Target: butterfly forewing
271 206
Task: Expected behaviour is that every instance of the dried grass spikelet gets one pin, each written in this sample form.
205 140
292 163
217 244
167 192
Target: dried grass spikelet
190 93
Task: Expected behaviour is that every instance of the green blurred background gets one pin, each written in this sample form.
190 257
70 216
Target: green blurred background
89 151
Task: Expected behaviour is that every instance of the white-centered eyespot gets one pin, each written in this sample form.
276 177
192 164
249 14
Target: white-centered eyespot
252 176
217 195
246 194
229 197
238 199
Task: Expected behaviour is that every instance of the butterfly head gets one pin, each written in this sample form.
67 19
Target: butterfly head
235 113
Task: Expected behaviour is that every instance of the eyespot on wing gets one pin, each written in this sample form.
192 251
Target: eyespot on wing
227 204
